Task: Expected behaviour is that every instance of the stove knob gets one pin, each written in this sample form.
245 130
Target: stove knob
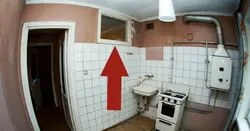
175 101
168 99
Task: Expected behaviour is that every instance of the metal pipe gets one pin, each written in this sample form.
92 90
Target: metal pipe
207 19
201 42
204 111
172 63
197 110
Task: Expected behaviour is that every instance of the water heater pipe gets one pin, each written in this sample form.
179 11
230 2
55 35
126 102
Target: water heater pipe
207 19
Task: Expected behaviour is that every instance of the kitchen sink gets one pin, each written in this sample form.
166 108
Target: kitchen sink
148 88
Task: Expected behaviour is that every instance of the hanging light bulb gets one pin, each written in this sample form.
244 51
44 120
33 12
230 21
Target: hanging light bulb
166 11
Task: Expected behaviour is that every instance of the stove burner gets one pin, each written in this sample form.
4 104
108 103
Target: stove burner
174 94
179 96
167 93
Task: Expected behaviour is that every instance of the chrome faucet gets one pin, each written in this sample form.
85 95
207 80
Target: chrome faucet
146 77
143 80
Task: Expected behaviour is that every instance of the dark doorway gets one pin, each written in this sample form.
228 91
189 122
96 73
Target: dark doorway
44 68
44 77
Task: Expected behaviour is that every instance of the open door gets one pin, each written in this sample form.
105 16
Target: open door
64 79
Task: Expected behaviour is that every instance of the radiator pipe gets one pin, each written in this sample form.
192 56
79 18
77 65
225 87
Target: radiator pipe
206 19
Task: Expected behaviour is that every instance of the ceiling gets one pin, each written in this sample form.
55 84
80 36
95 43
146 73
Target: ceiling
143 9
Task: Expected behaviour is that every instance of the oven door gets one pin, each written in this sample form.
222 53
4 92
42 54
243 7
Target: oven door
168 111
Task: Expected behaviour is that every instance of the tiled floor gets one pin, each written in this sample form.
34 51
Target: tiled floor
137 123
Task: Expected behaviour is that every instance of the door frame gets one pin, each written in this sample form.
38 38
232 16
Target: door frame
70 26
51 45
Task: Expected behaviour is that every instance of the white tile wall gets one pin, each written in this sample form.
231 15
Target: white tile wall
188 69
92 88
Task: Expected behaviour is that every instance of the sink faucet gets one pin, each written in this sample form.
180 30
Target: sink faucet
149 76
143 80
146 77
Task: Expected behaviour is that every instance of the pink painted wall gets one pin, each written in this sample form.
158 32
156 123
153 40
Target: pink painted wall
137 36
178 30
154 53
13 113
84 17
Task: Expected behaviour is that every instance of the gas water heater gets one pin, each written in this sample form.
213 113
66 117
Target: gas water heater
221 69
221 62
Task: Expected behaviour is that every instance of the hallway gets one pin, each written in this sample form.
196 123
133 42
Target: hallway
51 118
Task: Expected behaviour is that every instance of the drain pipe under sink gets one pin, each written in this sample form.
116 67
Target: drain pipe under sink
142 105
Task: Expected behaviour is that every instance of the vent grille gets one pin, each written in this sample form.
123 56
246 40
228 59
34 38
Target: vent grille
150 26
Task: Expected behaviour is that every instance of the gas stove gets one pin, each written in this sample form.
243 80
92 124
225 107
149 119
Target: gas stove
172 97
170 107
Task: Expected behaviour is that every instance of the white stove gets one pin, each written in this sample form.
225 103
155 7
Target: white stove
170 107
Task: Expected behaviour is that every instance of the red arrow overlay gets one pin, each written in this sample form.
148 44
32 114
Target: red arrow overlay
114 70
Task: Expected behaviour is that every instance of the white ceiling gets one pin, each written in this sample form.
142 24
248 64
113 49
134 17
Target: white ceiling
143 9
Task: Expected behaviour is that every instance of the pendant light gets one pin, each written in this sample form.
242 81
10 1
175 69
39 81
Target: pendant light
166 11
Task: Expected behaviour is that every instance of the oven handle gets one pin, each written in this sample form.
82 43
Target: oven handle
165 122
168 103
